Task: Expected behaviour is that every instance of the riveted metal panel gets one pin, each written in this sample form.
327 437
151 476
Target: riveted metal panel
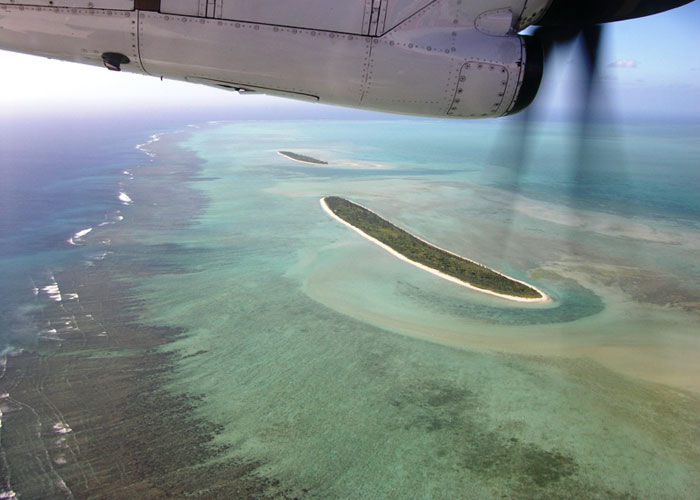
429 52
271 59
345 16
79 35
374 16
398 11
181 7
450 13
532 11
366 16
497 22
381 24
480 90
80 4
245 89
408 79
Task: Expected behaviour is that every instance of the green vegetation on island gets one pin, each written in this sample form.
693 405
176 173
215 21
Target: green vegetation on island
304 158
424 253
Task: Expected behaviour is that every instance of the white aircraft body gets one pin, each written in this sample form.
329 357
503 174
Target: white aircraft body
450 58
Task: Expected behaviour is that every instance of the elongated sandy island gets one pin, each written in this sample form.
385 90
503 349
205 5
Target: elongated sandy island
301 158
448 265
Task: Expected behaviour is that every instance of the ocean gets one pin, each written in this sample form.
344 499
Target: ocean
179 317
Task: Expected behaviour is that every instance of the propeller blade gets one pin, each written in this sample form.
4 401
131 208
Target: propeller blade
513 150
590 36
590 40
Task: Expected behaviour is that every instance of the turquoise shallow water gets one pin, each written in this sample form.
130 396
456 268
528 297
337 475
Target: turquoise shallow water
354 375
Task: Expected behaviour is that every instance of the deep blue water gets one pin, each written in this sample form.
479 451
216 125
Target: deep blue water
60 174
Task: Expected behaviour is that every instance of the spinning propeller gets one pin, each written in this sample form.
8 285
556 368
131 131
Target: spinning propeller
581 24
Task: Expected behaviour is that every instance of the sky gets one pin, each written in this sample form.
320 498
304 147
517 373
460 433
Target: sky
649 66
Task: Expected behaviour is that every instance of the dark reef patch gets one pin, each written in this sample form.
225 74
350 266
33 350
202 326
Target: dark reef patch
453 416
89 414
492 454
88 410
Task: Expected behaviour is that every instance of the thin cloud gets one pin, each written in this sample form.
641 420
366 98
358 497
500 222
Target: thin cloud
623 63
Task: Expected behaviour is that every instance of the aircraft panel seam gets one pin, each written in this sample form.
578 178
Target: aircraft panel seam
281 26
519 81
367 69
415 14
138 41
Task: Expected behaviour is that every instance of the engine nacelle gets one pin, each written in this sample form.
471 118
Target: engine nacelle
449 58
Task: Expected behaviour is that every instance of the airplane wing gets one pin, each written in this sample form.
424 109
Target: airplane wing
449 58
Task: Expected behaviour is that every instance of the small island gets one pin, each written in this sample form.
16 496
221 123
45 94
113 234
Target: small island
429 257
301 158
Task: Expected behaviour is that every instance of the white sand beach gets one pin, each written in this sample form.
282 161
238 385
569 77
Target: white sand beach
318 163
544 297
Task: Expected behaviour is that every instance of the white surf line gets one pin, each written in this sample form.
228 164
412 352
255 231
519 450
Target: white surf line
124 198
544 298
9 493
302 161
47 456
